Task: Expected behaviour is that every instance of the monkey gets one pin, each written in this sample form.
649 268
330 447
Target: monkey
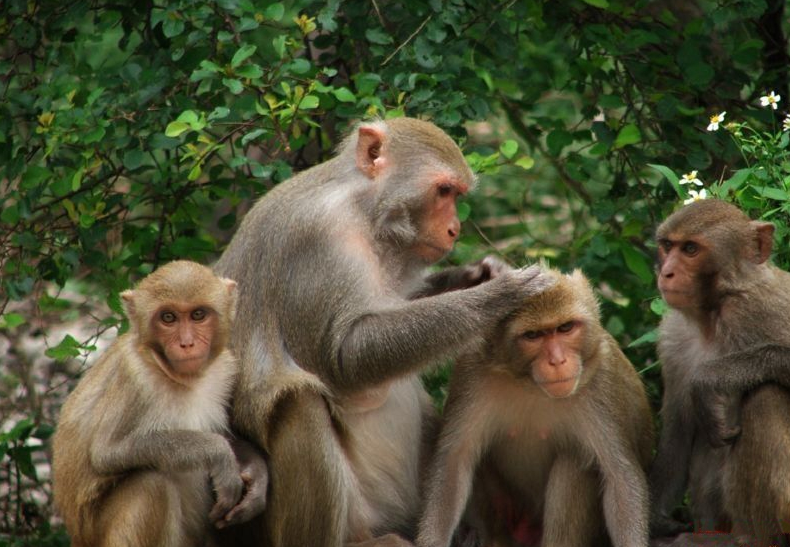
337 319
146 427
722 345
552 408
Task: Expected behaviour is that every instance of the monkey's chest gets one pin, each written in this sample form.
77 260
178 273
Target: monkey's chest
383 444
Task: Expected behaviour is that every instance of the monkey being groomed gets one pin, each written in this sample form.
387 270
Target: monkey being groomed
142 440
550 421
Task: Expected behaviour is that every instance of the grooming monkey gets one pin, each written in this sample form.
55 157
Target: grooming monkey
726 335
331 340
145 429
553 413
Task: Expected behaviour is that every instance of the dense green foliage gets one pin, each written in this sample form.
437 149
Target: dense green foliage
134 133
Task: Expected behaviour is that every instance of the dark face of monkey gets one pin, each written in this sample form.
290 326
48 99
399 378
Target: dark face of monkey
705 248
438 223
550 338
182 335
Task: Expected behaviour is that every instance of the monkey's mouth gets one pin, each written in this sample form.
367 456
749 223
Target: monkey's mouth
560 388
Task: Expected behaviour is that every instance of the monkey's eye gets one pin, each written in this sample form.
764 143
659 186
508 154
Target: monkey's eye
665 244
198 314
532 334
167 317
445 190
690 248
566 327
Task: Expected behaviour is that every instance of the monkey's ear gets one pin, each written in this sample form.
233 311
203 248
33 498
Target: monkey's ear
233 296
369 159
764 240
127 300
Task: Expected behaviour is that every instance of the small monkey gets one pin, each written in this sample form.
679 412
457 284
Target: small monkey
337 318
146 427
723 343
550 412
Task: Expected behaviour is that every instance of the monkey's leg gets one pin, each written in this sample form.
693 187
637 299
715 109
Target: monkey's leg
571 514
757 472
142 511
309 498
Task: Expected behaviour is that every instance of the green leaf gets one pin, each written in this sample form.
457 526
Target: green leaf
234 85
34 176
195 172
525 162
132 159
464 209
773 193
219 113
637 263
274 11
509 148
279 46
242 54
378 36
557 140
603 4
659 306
174 129
344 95
300 66
172 27
11 320
10 214
250 71
670 176
67 349
627 135
650 337
309 102
252 135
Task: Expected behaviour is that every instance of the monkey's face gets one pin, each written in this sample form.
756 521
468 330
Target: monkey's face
684 264
437 219
555 357
182 336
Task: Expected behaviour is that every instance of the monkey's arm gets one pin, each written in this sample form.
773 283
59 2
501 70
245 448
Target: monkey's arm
625 491
719 387
412 334
255 474
669 472
462 277
463 439
173 451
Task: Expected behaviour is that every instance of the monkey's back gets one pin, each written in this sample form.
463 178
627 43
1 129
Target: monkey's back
76 485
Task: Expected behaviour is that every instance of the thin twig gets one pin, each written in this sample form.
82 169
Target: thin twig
415 33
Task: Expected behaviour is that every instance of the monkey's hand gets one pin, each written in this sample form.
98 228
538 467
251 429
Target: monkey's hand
463 277
717 413
484 270
255 474
531 280
228 484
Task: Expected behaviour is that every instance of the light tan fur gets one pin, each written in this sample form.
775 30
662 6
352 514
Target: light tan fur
125 402
551 455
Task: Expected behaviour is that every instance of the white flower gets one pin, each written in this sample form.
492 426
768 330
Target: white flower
715 120
695 196
771 100
690 178
786 123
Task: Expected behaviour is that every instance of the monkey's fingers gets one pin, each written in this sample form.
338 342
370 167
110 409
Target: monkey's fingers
717 414
536 279
252 503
